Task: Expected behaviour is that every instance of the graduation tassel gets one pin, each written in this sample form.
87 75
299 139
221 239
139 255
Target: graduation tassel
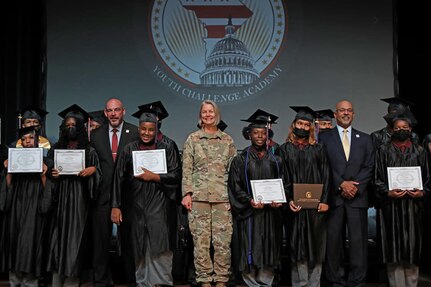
88 128
249 220
268 127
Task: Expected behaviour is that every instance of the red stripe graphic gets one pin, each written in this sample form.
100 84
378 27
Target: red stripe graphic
239 11
217 31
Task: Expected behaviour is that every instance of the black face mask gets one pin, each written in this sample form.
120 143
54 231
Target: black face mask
321 131
71 133
401 135
301 133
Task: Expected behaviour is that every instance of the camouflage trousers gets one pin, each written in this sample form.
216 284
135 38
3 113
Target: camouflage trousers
211 223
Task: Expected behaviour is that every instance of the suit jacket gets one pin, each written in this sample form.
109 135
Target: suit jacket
358 168
100 141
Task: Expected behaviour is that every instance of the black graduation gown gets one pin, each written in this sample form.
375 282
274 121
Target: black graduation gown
25 204
264 225
307 228
399 221
144 205
68 234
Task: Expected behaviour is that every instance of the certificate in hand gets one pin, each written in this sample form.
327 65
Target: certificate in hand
154 160
268 190
405 178
25 160
69 161
307 195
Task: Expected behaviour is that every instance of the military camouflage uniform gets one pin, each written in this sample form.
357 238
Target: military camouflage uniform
206 160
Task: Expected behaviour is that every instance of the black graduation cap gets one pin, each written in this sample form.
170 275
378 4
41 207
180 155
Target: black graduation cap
75 111
33 113
157 108
397 104
304 113
407 115
144 115
222 125
324 115
260 117
98 116
27 130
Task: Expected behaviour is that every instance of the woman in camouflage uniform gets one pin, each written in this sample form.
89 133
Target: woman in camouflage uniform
207 154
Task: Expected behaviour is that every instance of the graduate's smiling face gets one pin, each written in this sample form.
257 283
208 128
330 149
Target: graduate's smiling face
147 131
258 137
28 140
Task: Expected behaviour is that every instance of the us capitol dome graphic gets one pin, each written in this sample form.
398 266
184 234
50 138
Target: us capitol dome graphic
230 63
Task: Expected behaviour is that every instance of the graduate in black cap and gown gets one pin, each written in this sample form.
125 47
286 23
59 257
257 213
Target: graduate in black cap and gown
33 117
307 163
258 225
159 110
25 201
323 120
142 201
400 210
73 193
97 119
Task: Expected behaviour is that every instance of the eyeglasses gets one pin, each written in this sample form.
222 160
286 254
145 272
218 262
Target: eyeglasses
116 110
344 110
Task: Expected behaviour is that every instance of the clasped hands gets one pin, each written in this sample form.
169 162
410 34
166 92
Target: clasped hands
349 189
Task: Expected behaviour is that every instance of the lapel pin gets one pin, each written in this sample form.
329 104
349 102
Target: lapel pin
357 136
127 131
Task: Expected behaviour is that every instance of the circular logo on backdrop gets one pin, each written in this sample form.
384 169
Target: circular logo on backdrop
218 50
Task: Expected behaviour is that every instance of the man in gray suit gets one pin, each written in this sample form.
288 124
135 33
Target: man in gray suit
108 140
351 156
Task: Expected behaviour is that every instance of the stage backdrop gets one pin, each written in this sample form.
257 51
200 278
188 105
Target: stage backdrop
242 54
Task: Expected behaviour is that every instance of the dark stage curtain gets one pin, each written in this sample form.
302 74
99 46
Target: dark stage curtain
414 62
23 61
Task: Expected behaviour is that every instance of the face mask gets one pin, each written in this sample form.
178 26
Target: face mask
401 135
301 133
71 133
324 131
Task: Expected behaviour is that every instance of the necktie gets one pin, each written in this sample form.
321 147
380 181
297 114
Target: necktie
114 144
346 144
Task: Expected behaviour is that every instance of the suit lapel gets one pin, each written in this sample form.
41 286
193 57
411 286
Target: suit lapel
107 143
125 133
355 138
338 143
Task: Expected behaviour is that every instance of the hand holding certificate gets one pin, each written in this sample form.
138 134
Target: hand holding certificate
69 161
405 178
153 160
268 190
25 160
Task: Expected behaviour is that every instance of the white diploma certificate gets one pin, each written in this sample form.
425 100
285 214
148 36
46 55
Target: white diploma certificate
25 160
154 160
268 190
405 178
69 161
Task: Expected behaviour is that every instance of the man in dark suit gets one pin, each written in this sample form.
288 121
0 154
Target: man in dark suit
108 140
351 156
